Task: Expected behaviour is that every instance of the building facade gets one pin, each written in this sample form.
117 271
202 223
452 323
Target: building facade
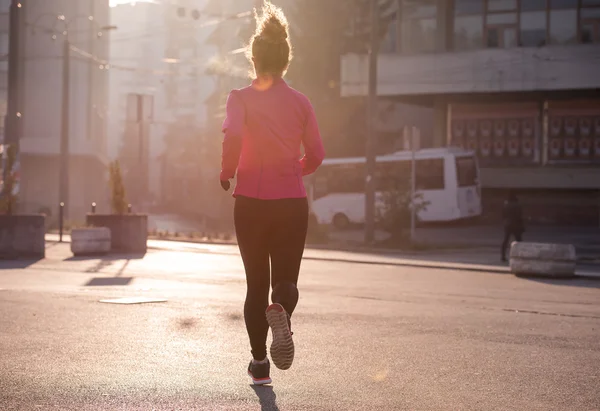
161 53
4 38
516 81
43 39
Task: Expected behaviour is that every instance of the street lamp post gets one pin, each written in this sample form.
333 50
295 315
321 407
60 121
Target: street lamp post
12 126
63 192
371 143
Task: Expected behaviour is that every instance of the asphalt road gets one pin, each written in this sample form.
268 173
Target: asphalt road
368 337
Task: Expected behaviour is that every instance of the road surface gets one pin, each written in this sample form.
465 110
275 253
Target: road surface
368 337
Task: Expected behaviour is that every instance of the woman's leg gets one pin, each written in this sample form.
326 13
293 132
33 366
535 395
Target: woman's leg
286 247
251 231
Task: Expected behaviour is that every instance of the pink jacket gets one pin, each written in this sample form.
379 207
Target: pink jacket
263 133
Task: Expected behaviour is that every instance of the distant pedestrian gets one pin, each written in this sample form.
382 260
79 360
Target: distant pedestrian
512 214
266 125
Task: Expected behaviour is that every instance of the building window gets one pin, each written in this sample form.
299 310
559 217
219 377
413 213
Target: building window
590 23
533 5
563 26
501 24
525 23
468 24
390 43
3 53
563 4
419 25
501 5
533 28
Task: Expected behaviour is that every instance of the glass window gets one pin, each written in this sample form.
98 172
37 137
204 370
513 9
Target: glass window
590 2
466 171
493 38
590 13
462 7
563 26
389 44
499 5
501 37
430 174
533 29
3 44
533 5
418 27
563 4
468 32
501 18
587 33
509 37
418 35
419 9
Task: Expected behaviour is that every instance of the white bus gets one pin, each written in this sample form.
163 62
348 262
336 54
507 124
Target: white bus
447 179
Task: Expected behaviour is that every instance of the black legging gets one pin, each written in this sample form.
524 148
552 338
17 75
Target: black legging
274 229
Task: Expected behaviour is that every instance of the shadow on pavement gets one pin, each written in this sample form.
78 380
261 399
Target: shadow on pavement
267 397
589 282
110 257
6 264
108 281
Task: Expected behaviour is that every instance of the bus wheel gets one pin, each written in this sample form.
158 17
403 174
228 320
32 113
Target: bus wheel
340 221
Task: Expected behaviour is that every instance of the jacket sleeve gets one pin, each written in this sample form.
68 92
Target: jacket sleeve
233 127
314 153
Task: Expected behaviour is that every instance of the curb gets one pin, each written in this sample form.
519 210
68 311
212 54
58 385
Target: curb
401 263
482 268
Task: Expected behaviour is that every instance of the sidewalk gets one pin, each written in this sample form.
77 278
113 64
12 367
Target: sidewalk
585 239
466 260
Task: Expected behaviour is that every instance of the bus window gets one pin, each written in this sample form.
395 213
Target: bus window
430 174
466 171
346 178
387 176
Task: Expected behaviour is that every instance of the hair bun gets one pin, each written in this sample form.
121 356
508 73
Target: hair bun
272 26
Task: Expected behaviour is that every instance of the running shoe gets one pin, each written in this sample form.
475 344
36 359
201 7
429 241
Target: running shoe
282 347
259 372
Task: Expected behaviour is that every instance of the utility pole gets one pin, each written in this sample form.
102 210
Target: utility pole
64 131
414 136
371 140
12 121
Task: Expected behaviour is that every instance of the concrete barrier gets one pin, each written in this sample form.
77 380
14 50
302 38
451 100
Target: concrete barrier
129 232
90 241
22 236
539 259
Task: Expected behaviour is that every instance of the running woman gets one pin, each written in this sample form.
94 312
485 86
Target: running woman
266 125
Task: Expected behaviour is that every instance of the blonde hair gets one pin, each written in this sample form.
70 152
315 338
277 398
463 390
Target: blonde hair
270 48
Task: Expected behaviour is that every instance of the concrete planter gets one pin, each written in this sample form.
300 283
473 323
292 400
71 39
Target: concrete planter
540 259
90 241
128 232
22 236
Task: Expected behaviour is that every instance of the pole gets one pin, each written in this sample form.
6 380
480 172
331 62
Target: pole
64 135
142 147
61 221
371 140
413 183
12 121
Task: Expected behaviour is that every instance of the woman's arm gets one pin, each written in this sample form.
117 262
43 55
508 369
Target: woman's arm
314 152
233 127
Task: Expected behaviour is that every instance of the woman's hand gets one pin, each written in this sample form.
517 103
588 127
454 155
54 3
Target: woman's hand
225 184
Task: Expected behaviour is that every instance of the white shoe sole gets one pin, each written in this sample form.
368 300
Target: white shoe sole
282 347
259 381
